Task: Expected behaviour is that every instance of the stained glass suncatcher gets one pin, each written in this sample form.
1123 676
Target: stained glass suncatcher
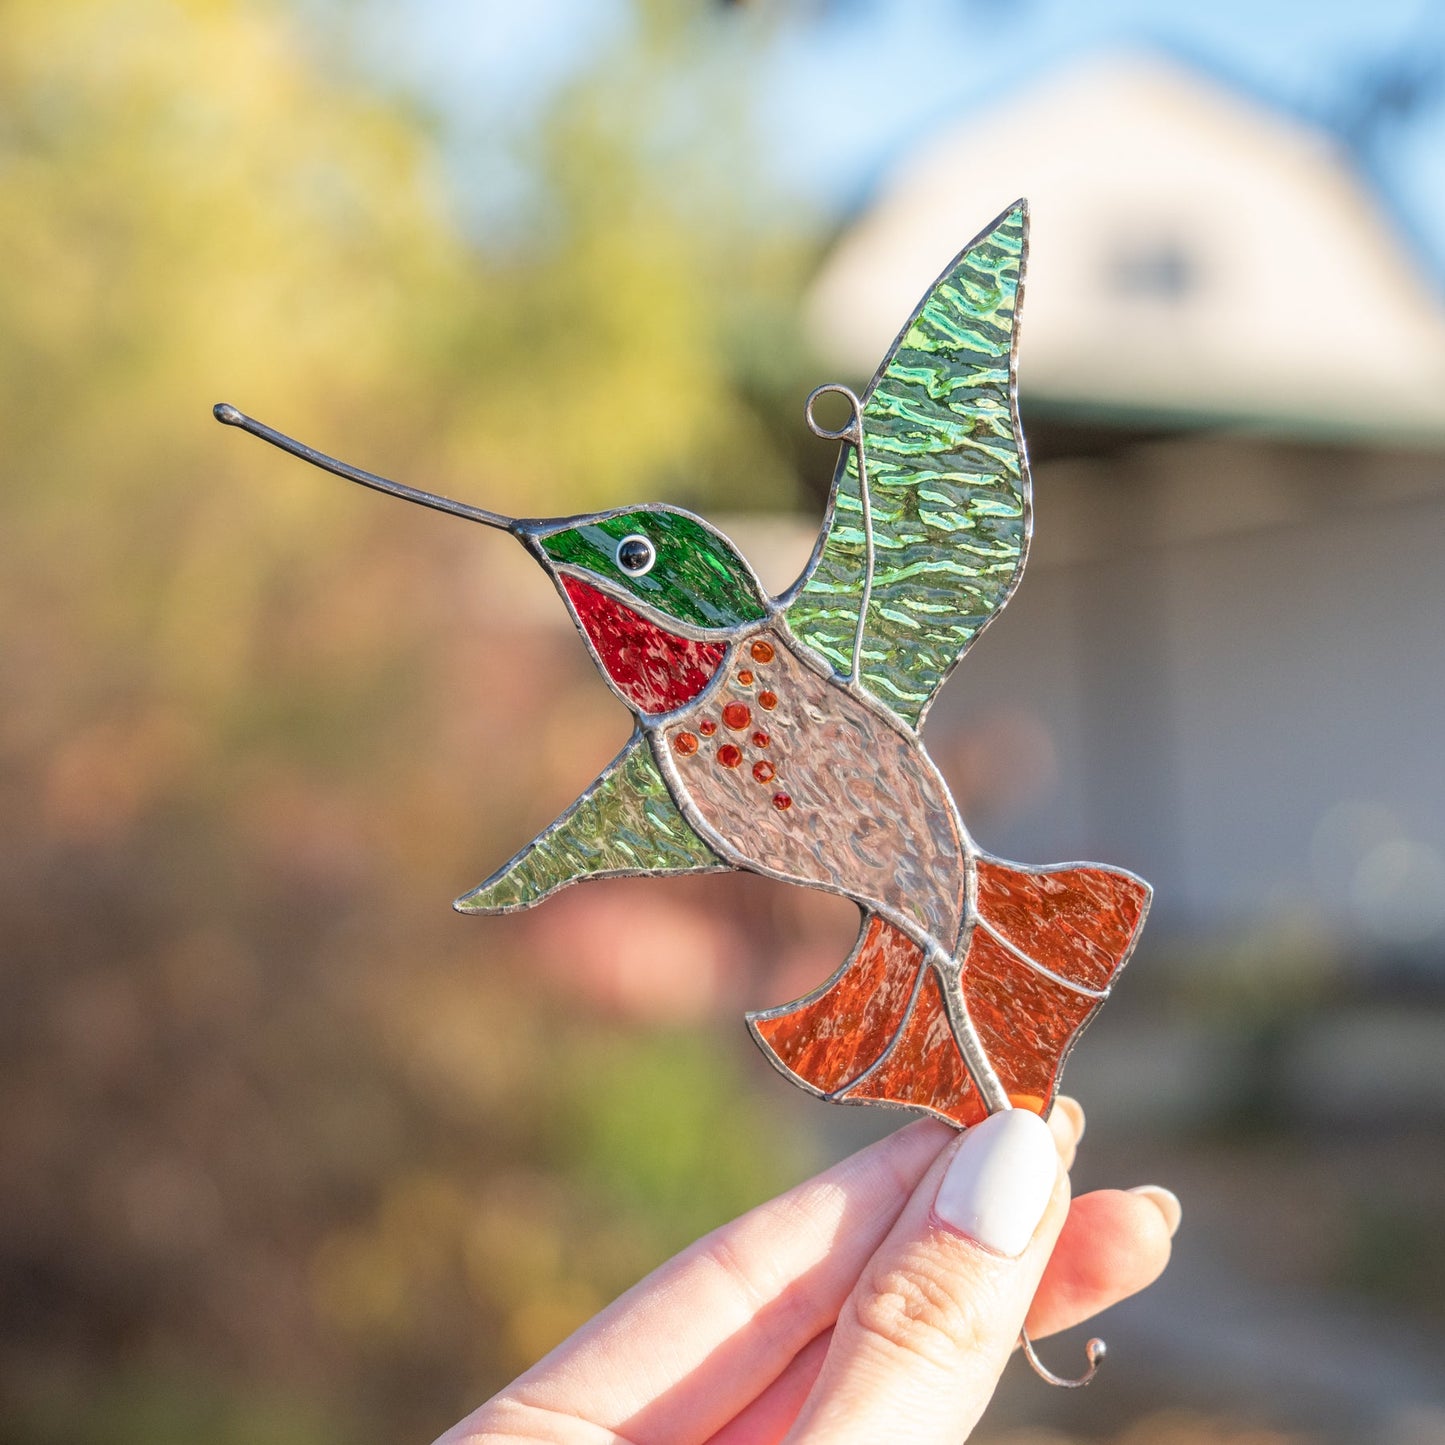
781 734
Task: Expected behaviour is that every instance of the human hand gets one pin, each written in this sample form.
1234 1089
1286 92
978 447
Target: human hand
877 1301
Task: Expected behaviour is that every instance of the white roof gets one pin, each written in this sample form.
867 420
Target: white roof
1191 253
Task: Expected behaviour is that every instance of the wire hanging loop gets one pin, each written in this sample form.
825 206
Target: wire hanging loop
1096 1349
852 434
852 430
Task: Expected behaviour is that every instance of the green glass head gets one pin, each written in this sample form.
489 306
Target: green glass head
672 561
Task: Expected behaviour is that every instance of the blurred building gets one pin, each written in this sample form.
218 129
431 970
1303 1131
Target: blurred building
1225 666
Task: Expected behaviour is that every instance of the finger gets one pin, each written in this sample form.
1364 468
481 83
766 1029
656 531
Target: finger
741 1301
770 1416
921 1341
1112 1245
1066 1120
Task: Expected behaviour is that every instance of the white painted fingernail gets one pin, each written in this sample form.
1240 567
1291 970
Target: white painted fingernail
1166 1202
1000 1180
1073 1111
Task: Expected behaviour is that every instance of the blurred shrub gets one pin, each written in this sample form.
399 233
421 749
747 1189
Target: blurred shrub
296 1154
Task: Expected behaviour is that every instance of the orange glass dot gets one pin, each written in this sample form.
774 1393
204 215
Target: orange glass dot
737 715
745 677
782 802
685 743
761 740
707 727
762 651
768 700
763 771
729 755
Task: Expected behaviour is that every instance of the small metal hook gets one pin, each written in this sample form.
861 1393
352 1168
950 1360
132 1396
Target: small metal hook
1096 1349
853 431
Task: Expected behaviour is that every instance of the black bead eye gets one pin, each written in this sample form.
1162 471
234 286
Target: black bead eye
635 555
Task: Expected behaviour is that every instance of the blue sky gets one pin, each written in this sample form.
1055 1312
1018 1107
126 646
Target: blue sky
836 91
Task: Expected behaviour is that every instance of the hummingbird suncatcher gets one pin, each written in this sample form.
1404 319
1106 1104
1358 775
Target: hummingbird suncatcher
781 734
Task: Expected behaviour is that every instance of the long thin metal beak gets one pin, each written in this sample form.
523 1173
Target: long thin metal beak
229 416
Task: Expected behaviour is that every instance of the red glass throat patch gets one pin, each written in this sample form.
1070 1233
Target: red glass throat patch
656 670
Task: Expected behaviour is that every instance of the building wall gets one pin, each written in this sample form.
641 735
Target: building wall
1230 656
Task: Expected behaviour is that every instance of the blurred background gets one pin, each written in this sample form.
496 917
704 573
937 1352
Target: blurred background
293 1153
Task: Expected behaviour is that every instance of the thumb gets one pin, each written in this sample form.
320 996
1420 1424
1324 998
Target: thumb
922 1340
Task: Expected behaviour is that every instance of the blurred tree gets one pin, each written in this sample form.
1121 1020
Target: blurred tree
279 1132
1378 92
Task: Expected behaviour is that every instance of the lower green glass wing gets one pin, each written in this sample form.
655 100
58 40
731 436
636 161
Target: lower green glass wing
948 482
625 823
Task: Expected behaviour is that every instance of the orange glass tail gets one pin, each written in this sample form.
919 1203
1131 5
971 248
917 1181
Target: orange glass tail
1047 944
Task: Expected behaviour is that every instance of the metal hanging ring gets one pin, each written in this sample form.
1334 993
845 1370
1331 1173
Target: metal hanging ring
1096 1349
852 431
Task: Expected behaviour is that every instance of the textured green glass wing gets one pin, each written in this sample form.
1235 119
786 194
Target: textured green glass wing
948 482
626 822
